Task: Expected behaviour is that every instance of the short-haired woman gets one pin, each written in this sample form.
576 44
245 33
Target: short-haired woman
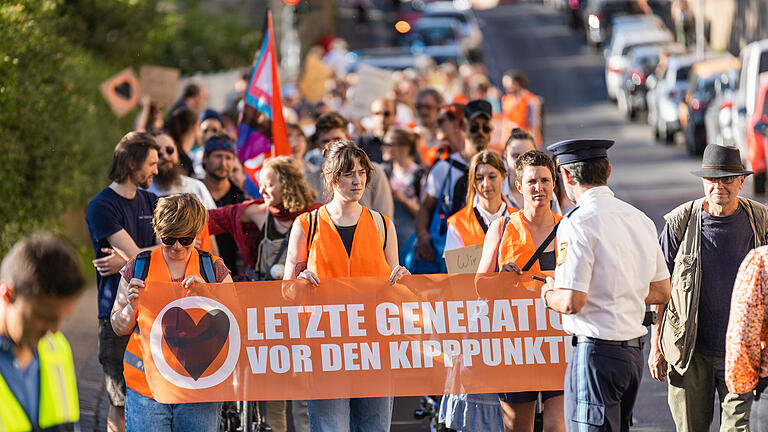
177 220
509 244
467 227
347 240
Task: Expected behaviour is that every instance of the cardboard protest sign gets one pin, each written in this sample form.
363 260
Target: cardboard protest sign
121 91
159 83
313 78
373 83
463 260
352 337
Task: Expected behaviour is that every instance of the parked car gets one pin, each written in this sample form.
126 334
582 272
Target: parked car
754 61
439 38
701 91
666 88
599 15
641 62
632 23
471 34
718 117
757 128
616 59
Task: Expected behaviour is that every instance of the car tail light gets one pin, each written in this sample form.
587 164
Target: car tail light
726 104
574 4
638 78
696 104
612 69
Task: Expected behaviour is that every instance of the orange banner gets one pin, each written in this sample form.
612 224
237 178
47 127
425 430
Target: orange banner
358 337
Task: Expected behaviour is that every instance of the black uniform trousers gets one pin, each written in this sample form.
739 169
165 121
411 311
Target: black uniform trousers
601 384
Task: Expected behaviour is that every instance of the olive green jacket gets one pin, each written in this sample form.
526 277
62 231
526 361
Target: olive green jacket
680 321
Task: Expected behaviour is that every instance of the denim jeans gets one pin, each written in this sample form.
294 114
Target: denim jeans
143 414
354 415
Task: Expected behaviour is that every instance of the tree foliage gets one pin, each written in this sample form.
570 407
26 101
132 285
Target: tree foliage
57 133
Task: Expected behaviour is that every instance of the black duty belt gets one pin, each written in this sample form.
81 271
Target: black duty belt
634 343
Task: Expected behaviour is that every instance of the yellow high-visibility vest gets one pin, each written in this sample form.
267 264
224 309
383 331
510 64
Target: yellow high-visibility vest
58 390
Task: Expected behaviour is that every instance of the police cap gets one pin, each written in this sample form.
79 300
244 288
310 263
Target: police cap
578 150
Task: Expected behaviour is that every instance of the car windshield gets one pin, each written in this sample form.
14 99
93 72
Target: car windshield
455 15
682 73
432 36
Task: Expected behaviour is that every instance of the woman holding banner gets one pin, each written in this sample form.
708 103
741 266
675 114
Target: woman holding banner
344 239
177 220
467 227
525 240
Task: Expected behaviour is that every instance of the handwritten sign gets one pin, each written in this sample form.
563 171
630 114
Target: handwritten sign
159 83
121 91
375 83
463 260
313 79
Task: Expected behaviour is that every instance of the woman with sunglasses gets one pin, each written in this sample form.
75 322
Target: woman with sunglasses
485 204
510 243
339 240
177 220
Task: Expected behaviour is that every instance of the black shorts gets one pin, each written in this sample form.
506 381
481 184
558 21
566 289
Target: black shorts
111 351
528 396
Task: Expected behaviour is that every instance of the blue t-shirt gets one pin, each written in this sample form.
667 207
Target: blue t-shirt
725 241
108 213
23 383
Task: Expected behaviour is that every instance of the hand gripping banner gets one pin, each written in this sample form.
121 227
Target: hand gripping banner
356 337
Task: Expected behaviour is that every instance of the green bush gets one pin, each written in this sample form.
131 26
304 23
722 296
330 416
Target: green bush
56 131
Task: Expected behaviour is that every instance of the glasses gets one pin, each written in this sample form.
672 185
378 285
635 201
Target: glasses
723 180
383 113
169 150
184 241
476 128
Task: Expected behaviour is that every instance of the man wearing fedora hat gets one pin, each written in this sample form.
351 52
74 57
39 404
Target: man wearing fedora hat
704 241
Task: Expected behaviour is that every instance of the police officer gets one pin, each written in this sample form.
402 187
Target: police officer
609 266
40 281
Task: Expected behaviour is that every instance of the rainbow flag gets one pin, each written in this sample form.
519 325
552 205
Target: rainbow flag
261 132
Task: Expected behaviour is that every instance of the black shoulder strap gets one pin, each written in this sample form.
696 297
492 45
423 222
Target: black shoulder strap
141 265
541 248
386 231
206 266
459 166
312 228
480 219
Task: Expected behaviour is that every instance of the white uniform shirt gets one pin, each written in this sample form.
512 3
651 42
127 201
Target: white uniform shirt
608 250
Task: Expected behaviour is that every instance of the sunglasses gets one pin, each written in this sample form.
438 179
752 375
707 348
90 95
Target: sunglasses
169 150
184 241
476 128
383 113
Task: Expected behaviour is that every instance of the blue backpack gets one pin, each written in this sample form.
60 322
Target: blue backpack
141 267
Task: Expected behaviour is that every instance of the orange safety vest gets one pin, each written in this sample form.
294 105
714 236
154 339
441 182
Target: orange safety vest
430 156
133 360
328 257
516 109
205 239
517 244
467 226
